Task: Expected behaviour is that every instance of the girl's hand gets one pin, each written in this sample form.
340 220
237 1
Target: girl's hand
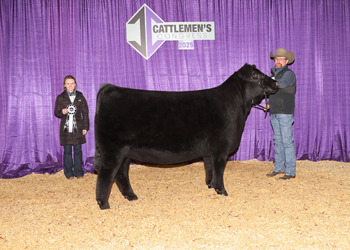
64 111
84 131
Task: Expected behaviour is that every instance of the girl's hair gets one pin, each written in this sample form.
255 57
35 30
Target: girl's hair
69 77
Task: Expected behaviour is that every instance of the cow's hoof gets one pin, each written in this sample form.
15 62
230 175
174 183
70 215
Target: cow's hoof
222 192
102 205
131 197
210 185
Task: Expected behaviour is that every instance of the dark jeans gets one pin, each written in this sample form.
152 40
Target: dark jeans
70 169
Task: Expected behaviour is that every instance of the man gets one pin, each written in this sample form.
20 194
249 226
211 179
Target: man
281 107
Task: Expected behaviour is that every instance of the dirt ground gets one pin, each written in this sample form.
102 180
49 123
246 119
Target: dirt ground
176 210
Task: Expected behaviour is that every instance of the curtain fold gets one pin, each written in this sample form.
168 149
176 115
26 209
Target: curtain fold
43 41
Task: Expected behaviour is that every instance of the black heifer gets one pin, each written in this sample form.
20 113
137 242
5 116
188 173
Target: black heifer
172 127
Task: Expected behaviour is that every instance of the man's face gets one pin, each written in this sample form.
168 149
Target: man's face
280 62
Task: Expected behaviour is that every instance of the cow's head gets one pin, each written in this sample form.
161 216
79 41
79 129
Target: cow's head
258 85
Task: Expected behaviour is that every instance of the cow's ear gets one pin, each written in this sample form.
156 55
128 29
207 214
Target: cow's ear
254 66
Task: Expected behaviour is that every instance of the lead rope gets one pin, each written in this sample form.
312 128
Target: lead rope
258 106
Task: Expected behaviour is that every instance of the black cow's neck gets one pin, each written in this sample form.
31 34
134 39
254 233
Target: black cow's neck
234 89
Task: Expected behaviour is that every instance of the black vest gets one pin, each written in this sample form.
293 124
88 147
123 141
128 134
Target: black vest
283 102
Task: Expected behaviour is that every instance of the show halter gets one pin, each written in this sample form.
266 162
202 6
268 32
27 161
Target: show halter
258 106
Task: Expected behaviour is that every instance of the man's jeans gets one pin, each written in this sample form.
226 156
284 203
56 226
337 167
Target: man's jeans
69 170
285 158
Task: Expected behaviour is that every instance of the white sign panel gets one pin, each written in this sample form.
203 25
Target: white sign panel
146 32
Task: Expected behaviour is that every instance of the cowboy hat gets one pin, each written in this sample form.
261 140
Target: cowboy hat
281 52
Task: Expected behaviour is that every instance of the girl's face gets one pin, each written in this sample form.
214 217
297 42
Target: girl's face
70 85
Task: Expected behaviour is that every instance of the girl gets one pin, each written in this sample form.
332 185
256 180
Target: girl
71 107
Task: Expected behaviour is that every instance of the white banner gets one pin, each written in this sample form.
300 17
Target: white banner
146 32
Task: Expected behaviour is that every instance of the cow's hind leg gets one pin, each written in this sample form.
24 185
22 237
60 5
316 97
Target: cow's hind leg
123 182
104 183
208 166
219 164
109 166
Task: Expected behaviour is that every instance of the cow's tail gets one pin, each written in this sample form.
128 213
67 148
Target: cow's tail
97 158
98 98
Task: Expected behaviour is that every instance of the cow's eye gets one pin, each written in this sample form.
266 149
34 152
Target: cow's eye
255 75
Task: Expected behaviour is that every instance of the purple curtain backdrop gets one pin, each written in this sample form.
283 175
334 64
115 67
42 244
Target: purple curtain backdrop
43 41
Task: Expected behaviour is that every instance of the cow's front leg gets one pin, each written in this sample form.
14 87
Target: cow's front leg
103 187
123 182
219 164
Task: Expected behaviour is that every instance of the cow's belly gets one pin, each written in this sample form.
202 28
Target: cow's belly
154 156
